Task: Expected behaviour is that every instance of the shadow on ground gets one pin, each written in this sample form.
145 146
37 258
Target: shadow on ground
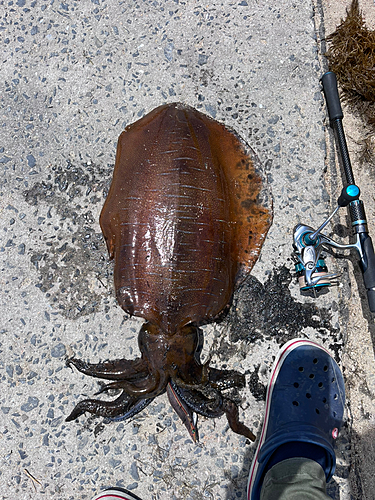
361 476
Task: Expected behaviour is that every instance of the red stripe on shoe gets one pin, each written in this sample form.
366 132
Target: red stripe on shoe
111 495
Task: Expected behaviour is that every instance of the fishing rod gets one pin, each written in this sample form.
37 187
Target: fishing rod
309 243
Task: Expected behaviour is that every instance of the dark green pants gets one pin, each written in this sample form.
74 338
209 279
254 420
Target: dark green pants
295 479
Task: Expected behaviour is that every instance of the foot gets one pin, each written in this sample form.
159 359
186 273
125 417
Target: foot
304 406
115 494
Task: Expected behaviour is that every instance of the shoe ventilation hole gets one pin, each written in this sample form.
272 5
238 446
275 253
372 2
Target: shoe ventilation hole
333 379
300 368
296 385
315 360
308 395
335 396
311 375
325 368
317 411
334 414
295 403
324 400
320 384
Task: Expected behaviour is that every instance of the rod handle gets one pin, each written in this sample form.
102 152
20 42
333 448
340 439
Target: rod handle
331 95
368 269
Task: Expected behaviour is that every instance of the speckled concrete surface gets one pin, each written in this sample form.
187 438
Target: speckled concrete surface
73 75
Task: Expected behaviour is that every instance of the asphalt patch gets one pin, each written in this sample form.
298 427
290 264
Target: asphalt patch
269 311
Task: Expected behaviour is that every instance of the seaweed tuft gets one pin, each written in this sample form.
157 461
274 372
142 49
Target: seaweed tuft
351 56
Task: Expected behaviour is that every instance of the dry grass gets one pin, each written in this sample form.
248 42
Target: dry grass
351 55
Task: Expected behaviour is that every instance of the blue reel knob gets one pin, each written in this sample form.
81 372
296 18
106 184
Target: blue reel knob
348 194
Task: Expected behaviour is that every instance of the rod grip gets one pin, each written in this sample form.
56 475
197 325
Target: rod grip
331 95
368 269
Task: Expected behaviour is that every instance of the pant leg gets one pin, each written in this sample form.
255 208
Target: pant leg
295 479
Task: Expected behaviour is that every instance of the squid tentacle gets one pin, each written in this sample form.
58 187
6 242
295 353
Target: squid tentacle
197 400
118 369
151 386
136 408
101 408
192 399
231 411
226 379
140 383
122 408
214 378
133 377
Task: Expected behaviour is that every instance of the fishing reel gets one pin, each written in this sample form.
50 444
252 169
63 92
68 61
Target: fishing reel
308 244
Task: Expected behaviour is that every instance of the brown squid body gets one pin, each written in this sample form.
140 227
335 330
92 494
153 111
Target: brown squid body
183 221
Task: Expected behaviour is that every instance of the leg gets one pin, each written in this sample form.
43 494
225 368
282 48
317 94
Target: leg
293 479
304 412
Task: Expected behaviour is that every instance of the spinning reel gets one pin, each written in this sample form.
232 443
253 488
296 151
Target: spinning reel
308 243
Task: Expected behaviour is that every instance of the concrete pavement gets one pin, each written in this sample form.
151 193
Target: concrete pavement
74 74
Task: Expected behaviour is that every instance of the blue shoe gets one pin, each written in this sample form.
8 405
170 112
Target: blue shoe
304 403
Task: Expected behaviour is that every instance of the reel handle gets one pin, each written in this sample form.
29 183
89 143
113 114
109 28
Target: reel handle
348 194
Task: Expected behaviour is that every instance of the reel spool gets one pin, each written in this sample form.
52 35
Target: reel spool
321 276
311 268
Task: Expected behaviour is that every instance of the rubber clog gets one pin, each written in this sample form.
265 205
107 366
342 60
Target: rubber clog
116 494
304 403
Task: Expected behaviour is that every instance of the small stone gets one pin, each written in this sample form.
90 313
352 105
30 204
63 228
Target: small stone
134 471
202 59
168 51
132 486
114 463
58 351
31 161
32 403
